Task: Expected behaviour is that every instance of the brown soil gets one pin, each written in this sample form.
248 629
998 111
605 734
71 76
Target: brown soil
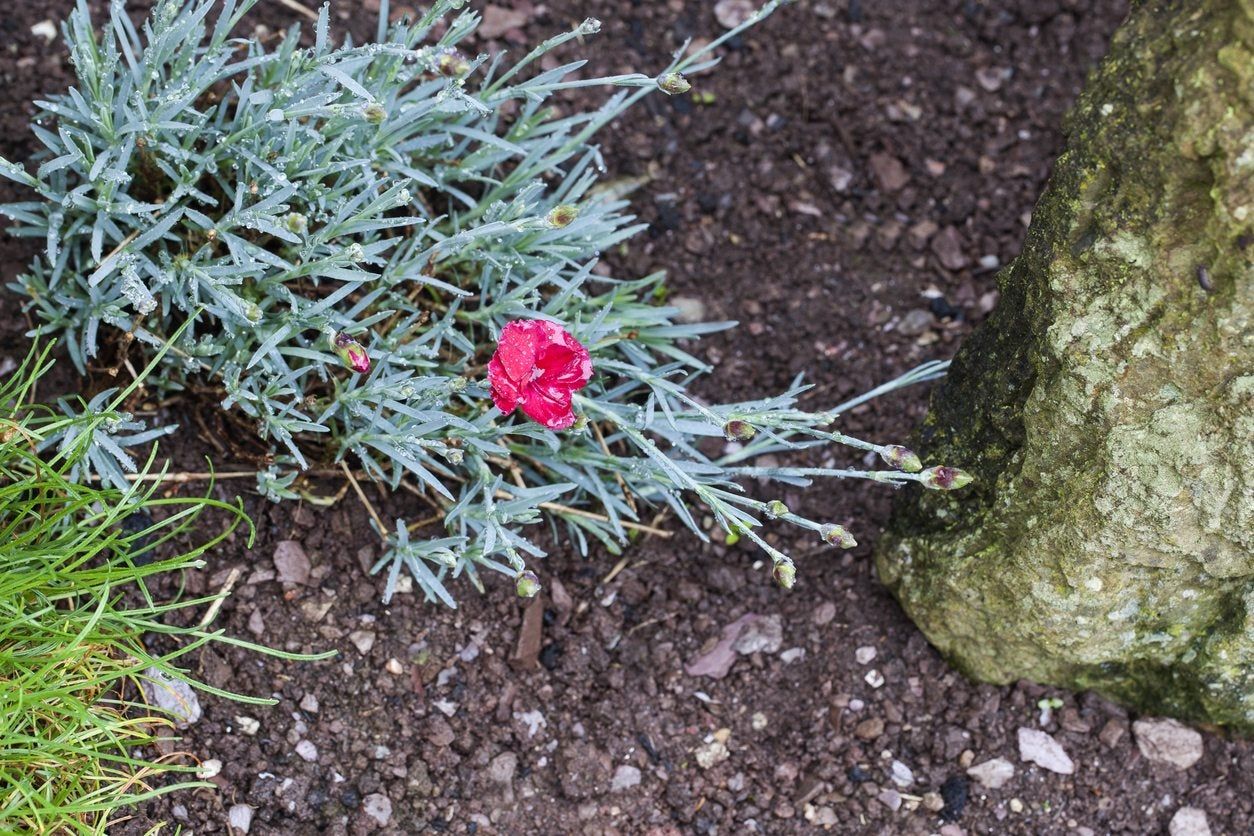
845 195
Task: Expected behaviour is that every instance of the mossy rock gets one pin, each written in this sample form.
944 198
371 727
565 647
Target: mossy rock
1107 406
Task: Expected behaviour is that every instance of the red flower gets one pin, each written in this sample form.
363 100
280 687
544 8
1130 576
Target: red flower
537 366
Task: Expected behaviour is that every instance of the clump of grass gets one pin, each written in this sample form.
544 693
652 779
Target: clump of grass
77 622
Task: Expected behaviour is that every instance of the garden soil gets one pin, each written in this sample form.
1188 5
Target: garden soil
845 186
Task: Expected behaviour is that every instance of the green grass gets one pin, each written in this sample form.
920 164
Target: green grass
77 624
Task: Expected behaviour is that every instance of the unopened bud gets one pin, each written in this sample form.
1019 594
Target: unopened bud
457 384
374 113
296 223
252 312
581 424
355 253
837 535
776 509
785 574
452 63
945 478
563 215
737 430
352 353
527 584
674 84
902 458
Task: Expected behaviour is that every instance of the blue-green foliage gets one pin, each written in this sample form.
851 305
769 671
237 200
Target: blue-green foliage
397 191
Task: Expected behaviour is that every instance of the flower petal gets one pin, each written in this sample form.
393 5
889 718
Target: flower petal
563 361
506 393
517 349
548 406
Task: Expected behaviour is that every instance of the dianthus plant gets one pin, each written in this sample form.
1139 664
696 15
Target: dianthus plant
335 239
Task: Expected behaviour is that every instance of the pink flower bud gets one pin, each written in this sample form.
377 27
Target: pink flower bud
902 458
945 478
737 430
837 535
352 353
528 584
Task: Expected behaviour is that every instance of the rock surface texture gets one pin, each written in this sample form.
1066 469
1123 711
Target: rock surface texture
1107 406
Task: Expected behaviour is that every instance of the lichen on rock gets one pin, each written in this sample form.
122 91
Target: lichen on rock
1107 406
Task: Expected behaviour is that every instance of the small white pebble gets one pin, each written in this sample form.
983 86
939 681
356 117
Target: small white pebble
759 721
307 751
395 667
241 818
1016 806
45 29
874 678
865 655
209 769
248 725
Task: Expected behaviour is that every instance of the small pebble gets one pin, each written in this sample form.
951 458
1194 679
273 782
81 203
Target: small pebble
1038 747
874 678
247 725
1189 821
363 640
901 774
890 799
309 703
1016 806
711 754
625 777
1167 741
502 768
378 807
994 773
240 817
209 769
932 801
45 29
307 751
865 655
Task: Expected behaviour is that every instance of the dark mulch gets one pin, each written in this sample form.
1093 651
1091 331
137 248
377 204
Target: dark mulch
846 194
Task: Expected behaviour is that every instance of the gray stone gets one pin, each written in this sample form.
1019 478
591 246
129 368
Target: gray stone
502 768
240 817
1035 746
1166 741
690 308
1106 407
1189 821
378 807
307 751
291 562
994 773
172 696
363 640
763 634
890 799
625 777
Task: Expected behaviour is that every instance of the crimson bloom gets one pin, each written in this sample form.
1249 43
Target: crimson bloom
538 365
